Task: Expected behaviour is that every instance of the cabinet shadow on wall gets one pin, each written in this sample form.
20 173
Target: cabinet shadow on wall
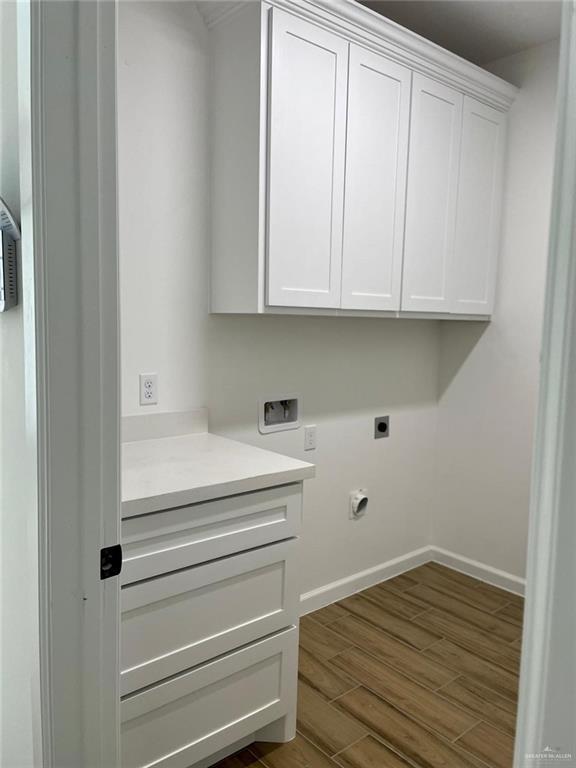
457 342
338 366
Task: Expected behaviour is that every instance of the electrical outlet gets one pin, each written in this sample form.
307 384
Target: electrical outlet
148 388
310 437
381 427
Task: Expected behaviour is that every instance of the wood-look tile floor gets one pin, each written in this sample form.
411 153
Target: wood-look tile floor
421 670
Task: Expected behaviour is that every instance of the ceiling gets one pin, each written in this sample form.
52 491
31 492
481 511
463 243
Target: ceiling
478 30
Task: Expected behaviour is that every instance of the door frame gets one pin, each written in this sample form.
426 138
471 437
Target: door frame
548 675
73 223
74 217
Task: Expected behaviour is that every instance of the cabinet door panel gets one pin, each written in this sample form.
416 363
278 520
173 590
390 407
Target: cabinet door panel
376 157
478 208
182 618
186 718
307 120
435 132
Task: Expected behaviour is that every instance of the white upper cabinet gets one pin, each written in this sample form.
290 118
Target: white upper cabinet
376 157
478 209
356 169
306 145
431 201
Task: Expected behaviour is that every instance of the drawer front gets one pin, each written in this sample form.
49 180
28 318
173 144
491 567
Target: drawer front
186 719
166 541
177 621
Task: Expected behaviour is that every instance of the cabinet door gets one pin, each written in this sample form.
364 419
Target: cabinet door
180 619
376 157
435 132
307 124
478 208
187 718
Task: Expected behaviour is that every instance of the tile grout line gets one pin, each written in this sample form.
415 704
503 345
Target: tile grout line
392 747
464 751
439 690
388 634
322 751
467 730
496 728
482 719
358 685
397 667
391 612
473 755
457 598
415 718
357 741
391 635
504 664
457 673
255 756
482 634
420 613
426 727
427 648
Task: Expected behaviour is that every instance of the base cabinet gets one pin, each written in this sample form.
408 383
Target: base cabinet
209 627
345 180
172 539
176 621
185 719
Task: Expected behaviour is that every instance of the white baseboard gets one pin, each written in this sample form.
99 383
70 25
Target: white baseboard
478 570
337 590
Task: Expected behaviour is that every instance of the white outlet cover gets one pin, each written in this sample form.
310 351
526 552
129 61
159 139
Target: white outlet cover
148 389
310 437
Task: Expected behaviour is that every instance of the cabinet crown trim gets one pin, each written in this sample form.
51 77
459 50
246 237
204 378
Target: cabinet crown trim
366 27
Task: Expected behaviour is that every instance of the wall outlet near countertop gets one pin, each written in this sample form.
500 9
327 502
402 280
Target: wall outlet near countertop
148 388
310 437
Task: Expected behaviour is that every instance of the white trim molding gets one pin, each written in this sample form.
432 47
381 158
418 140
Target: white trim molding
371 30
547 700
356 582
478 570
73 163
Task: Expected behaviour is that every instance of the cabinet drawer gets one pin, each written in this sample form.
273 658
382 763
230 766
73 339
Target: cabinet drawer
177 621
166 541
186 719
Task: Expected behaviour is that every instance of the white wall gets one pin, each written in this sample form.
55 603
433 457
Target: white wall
489 374
19 653
478 380
346 370
163 178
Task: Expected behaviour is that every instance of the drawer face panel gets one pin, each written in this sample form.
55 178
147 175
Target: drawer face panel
177 538
177 621
188 718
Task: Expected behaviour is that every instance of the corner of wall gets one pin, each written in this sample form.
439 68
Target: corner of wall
489 373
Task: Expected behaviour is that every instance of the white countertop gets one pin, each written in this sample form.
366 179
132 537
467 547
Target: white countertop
174 471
